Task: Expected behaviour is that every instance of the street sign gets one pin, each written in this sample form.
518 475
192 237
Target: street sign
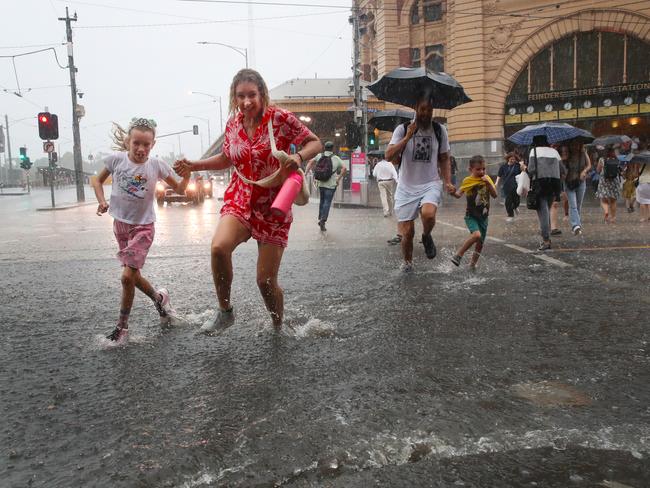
48 147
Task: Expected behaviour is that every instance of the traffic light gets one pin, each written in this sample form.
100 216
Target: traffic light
25 163
195 130
48 126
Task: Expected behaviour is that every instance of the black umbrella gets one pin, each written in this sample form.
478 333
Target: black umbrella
406 85
389 119
610 140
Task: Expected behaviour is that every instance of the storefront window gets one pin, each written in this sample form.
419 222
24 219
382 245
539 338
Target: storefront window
435 57
612 56
563 58
432 11
638 67
587 56
415 12
415 57
540 72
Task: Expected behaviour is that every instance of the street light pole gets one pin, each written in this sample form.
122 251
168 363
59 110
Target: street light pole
241 50
76 145
215 98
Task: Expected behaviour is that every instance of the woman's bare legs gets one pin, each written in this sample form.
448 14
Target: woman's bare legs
268 265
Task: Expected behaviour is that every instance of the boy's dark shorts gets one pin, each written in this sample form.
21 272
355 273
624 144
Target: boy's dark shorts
477 224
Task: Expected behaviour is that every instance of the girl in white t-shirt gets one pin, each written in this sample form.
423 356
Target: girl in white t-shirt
134 175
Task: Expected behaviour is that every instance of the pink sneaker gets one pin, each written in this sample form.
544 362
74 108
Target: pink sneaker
119 336
164 306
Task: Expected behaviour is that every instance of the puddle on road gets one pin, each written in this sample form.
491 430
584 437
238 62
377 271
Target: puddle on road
551 394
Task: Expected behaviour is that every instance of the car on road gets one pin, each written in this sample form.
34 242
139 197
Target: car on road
194 193
208 189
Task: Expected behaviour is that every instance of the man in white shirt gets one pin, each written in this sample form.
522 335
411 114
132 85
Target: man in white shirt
425 159
386 176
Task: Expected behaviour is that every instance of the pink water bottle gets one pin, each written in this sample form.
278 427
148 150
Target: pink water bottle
290 189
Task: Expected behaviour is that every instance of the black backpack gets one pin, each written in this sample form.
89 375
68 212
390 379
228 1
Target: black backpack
323 169
610 169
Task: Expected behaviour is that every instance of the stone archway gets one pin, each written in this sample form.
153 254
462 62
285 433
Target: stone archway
621 21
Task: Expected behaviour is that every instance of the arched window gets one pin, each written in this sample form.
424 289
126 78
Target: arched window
585 60
435 57
415 12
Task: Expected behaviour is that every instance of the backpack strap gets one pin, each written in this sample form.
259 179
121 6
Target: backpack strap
437 130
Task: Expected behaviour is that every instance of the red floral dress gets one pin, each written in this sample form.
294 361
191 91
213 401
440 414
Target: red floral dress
251 204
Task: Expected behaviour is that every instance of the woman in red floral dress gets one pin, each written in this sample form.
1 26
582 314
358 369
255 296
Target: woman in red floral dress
246 211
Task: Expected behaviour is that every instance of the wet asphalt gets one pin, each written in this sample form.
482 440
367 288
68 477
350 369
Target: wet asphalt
531 372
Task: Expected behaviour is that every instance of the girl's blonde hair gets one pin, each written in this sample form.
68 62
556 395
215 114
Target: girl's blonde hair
252 76
120 135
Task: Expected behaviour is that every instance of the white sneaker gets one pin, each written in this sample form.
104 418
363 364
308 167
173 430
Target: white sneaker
406 267
510 220
577 230
220 321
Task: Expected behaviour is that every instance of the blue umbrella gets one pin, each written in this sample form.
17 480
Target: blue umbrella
554 132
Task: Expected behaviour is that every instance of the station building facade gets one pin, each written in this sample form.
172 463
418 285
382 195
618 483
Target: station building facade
521 62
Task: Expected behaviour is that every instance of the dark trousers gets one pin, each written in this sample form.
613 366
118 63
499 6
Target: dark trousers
326 197
512 202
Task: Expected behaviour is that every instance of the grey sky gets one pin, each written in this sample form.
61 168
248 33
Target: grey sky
147 70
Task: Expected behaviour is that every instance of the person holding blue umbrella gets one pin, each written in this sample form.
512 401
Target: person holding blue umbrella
544 171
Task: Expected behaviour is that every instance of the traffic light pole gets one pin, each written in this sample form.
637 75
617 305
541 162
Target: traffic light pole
76 150
51 165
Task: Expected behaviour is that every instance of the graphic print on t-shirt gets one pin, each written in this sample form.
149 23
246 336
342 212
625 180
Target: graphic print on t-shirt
422 149
133 185
478 201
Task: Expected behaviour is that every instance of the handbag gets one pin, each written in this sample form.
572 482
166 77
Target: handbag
636 180
275 179
532 198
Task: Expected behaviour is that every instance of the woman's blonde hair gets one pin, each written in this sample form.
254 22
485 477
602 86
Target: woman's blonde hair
252 76
120 135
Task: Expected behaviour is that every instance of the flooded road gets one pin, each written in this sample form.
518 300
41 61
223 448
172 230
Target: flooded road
529 373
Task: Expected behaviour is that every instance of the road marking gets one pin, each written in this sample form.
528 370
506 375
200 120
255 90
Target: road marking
551 260
520 249
8 242
613 248
48 235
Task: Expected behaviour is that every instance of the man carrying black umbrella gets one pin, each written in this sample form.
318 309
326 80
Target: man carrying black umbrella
424 150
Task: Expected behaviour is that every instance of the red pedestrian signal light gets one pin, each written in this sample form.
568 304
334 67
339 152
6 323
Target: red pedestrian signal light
48 126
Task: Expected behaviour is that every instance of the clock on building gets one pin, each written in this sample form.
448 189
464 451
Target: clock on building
607 102
628 101
548 107
568 106
647 99
530 109
512 110
586 104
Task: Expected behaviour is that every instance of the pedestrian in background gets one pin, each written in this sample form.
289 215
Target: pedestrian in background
454 170
563 151
424 149
328 171
507 177
134 176
246 210
544 171
578 166
643 193
630 174
386 176
478 188
608 184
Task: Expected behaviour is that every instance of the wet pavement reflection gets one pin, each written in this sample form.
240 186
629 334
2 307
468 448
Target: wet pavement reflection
524 374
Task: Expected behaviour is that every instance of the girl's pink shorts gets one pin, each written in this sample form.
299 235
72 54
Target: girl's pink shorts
134 241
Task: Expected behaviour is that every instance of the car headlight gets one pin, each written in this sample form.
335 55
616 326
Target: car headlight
191 187
160 187
206 185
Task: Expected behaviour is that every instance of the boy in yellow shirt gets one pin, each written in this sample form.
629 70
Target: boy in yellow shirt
478 187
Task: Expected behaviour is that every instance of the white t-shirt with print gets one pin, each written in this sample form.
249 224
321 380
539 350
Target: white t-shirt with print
134 187
419 167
